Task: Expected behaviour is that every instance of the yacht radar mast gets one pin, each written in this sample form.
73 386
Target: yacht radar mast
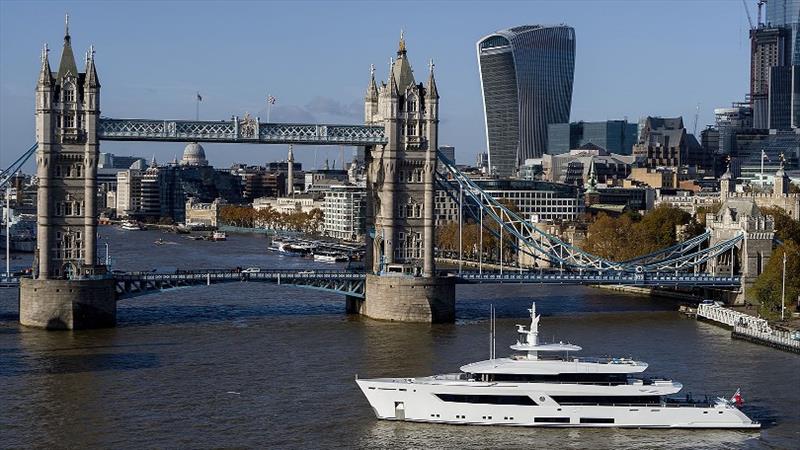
528 340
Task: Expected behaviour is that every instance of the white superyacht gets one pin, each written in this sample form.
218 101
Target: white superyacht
533 389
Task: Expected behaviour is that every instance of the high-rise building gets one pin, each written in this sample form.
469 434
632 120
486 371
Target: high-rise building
780 98
786 14
616 136
770 47
738 117
526 82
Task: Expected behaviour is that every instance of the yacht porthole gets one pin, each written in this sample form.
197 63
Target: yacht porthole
541 399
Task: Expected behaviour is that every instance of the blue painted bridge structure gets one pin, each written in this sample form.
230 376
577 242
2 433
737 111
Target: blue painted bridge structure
351 283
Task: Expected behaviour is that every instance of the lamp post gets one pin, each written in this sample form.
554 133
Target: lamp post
783 287
8 231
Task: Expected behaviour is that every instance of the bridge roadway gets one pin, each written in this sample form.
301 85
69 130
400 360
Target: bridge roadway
352 282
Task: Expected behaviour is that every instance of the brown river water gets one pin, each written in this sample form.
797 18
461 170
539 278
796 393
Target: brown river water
251 365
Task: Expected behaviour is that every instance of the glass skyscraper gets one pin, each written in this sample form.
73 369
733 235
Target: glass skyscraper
786 13
526 82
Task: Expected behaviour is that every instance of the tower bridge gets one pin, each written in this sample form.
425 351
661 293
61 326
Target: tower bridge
71 288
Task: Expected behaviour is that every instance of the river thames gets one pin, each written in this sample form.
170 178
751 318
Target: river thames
250 365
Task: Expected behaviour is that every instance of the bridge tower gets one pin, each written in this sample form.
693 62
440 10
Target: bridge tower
749 257
68 288
401 274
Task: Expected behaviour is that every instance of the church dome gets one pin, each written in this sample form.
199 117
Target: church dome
194 155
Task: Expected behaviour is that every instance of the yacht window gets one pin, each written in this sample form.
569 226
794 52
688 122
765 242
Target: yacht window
488 399
606 399
551 419
596 420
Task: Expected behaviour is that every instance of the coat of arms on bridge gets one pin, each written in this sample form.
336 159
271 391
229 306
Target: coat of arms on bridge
248 127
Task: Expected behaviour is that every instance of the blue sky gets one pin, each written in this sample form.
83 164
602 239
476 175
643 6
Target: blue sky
633 58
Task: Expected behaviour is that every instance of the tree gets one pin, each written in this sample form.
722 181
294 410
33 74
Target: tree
767 288
785 227
657 229
610 238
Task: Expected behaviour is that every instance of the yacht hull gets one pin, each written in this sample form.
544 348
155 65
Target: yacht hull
407 400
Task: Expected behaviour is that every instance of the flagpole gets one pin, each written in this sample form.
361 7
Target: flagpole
197 107
269 106
763 155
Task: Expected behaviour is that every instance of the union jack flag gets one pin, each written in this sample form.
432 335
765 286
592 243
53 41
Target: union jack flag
271 100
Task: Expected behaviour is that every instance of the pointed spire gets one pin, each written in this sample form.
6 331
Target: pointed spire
591 186
403 74
432 91
67 64
393 91
372 89
401 46
153 162
91 72
45 75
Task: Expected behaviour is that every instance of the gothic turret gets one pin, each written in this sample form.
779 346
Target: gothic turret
727 184
782 181
45 74
92 81
371 113
430 89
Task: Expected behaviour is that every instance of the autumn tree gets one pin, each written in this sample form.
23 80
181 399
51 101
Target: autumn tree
767 288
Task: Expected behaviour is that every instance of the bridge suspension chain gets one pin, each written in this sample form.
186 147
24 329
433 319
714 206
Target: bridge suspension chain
539 244
8 173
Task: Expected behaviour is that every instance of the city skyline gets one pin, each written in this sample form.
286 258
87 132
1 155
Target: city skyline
158 66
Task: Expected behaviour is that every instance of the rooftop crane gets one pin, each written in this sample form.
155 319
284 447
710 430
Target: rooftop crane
747 11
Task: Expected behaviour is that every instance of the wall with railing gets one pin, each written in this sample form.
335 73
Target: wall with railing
747 327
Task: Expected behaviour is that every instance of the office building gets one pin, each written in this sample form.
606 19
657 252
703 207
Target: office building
786 14
769 47
573 167
539 201
729 120
616 136
664 142
526 82
449 152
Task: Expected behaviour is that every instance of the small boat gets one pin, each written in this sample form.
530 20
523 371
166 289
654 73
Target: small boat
160 241
328 256
130 225
219 236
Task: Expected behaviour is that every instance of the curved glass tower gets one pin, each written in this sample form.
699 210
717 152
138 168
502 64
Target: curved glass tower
526 82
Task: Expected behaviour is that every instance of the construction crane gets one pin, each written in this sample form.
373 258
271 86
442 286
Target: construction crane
747 11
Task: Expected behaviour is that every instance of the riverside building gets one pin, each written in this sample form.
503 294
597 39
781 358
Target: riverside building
344 211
